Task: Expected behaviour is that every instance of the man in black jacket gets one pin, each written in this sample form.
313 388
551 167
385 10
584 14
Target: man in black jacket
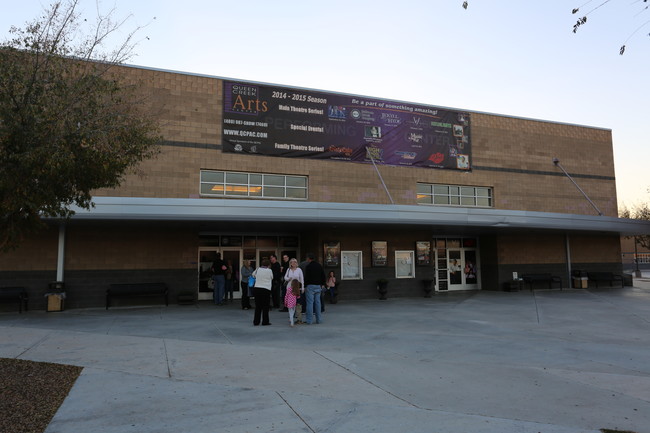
314 283
277 280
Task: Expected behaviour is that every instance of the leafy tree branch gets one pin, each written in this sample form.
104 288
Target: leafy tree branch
69 123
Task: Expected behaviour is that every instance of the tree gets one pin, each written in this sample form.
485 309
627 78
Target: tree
68 124
583 20
640 212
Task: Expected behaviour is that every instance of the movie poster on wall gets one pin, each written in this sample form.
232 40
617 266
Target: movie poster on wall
296 123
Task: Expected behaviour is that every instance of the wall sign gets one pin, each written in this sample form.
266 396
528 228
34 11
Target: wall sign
282 121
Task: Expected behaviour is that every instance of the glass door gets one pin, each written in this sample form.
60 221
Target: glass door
455 267
232 257
207 255
470 276
457 262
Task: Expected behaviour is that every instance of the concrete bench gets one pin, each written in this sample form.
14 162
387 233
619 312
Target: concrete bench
136 290
531 279
14 294
608 277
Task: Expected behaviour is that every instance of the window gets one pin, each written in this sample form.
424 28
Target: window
454 195
256 185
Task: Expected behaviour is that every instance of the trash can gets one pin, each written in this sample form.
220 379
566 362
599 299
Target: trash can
513 285
628 281
55 296
580 280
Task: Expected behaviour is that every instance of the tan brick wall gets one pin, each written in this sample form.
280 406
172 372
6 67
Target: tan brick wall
531 249
131 247
595 249
189 108
36 253
549 249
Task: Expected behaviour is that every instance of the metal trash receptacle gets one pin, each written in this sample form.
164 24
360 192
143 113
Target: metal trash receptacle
580 282
55 296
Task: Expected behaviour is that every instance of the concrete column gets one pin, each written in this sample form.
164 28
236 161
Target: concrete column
61 253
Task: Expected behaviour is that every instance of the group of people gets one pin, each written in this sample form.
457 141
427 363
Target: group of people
286 286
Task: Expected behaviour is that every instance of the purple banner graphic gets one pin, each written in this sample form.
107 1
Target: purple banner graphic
281 121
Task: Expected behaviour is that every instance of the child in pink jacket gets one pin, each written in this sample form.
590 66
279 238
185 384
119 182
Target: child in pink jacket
291 300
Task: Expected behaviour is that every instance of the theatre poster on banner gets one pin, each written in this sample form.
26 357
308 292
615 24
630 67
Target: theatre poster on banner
295 123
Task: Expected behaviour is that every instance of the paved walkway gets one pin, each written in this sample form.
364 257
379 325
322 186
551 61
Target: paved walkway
490 362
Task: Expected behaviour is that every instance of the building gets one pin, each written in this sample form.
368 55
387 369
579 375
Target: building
634 256
376 188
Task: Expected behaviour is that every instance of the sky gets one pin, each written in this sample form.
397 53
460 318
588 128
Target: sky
505 57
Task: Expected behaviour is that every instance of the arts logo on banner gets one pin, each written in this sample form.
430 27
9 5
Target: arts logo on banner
243 99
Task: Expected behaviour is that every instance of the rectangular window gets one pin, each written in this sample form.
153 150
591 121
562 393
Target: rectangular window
256 185
454 195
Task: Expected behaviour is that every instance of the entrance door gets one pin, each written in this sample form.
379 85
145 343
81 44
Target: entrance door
232 257
207 255
470 269
455 267
462 269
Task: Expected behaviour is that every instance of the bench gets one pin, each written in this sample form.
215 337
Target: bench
136 290
608 277
14 294
531 279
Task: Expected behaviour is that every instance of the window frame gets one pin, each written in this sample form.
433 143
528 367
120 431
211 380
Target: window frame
433 194
255 186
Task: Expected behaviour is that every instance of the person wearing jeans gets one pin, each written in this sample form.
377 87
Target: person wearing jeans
313 303
314 282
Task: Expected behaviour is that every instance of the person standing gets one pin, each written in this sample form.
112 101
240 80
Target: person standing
263 284
291 297
331 286
284 267
277 280
245 272
231 276
219 278
314 282
295 273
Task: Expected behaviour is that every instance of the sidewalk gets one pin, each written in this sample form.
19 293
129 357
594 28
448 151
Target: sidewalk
491 362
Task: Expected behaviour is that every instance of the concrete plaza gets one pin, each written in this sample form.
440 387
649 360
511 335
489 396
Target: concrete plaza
546 361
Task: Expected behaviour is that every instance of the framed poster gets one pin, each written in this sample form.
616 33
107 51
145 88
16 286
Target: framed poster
423 252
404 264
379 253
351 265
332 254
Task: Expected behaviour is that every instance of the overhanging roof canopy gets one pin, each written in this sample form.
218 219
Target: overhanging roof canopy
234 210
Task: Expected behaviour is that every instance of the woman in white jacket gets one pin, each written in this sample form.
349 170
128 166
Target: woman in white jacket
262 292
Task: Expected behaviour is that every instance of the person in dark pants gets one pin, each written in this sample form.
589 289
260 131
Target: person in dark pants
314 283
284 267
245 273
277 280
263 283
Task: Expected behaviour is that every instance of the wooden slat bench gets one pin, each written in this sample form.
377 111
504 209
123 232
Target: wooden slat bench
531 279
608 277
136 290
14 294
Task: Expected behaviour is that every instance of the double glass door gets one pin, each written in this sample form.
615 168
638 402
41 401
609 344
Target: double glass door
457 264
461 269
233 259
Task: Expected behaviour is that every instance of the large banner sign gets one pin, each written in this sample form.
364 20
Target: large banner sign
280 121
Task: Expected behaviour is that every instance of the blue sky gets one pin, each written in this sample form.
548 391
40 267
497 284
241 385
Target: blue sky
500 56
